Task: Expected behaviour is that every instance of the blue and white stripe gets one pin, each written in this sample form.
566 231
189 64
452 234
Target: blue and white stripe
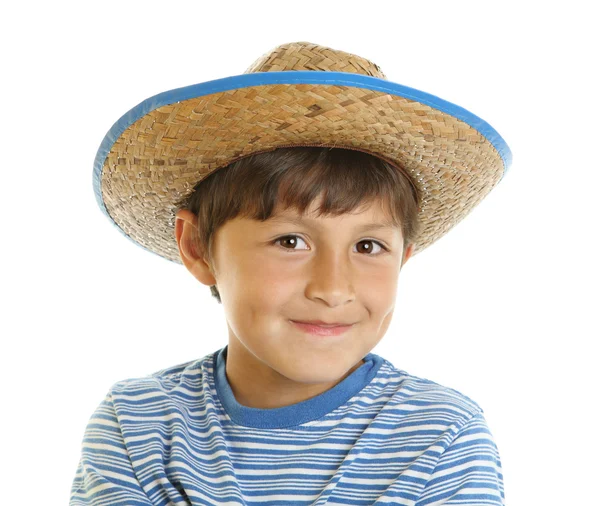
381 436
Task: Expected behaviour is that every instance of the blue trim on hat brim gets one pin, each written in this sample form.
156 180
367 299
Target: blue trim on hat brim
286 77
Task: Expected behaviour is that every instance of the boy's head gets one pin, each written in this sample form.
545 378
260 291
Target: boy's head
331 266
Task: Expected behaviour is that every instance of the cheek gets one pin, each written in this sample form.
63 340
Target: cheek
385 323
279 277
379 286
260 289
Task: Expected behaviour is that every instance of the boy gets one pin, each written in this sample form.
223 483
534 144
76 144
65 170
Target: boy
296 191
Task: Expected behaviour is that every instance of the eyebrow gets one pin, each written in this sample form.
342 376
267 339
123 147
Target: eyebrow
299 221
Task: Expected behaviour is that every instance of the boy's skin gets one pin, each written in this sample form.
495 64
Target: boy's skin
322 276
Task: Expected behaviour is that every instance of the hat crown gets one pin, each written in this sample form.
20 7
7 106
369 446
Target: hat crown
309 56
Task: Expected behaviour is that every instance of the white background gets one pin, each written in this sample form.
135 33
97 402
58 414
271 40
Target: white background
503 308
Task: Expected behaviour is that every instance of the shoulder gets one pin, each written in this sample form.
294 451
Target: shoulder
416 394
184 375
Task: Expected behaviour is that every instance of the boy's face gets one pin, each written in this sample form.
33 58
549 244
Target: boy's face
331 271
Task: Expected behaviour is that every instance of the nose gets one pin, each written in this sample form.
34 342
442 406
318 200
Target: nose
330 278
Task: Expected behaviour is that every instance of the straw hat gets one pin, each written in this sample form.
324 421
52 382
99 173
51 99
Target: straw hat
296 94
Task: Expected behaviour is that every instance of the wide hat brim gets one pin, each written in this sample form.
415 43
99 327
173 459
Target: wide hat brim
153 156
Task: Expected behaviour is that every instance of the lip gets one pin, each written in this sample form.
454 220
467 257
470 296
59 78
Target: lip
320 330
323 324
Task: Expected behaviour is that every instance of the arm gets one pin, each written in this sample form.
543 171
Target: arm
105 474
469 472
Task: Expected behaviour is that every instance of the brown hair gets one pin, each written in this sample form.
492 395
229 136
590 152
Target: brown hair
252 186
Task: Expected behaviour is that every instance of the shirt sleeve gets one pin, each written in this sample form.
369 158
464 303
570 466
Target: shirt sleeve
105 475
469 471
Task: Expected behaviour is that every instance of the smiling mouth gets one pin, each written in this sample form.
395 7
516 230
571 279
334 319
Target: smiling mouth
324 325
322 332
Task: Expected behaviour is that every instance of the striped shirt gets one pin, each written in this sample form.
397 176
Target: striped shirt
179 437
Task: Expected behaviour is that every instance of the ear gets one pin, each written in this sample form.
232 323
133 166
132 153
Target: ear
186 233
408 253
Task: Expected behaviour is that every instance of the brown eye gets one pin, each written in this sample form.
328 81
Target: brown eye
370 248
289 239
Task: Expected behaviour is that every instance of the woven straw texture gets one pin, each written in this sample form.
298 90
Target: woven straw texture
158 159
